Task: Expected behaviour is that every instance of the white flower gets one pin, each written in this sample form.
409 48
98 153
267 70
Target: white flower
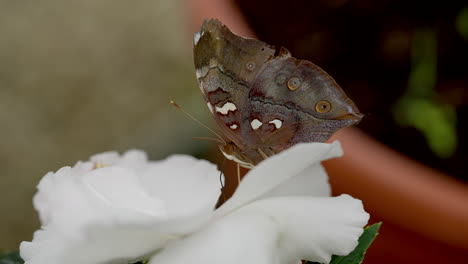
131 209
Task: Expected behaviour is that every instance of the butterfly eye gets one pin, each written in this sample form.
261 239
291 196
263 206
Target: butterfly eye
323 107
293 83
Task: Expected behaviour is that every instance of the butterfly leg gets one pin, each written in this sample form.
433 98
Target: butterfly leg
238 173
264 156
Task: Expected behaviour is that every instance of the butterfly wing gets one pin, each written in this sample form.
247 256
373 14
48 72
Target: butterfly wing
226 67
287 97
263 99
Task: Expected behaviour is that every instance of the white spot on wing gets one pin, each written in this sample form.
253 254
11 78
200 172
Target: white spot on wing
210 107
226 108
233 126
201 72
196 37
255 124
278 123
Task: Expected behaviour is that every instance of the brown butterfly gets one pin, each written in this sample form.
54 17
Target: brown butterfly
264 100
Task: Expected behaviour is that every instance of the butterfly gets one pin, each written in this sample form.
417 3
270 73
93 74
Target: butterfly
263 99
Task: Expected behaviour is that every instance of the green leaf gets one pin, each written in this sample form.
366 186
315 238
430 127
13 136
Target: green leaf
357 255
11 258
142 262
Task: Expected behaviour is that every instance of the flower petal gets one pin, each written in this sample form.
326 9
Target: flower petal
193 184
122 191
96 244
87 222
313 181
132 159
114 214
275 230
296 171
314 228
238 238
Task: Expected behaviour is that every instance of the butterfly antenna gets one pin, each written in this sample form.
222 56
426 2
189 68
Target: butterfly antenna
206 138
222 197
196 120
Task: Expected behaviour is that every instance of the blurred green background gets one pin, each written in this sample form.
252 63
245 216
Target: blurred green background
83 77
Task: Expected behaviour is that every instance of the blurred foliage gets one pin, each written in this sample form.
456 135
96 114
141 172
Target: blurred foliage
419 106
436 122
462 23
11 258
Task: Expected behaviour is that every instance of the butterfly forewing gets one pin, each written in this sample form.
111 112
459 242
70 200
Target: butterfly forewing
226 66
